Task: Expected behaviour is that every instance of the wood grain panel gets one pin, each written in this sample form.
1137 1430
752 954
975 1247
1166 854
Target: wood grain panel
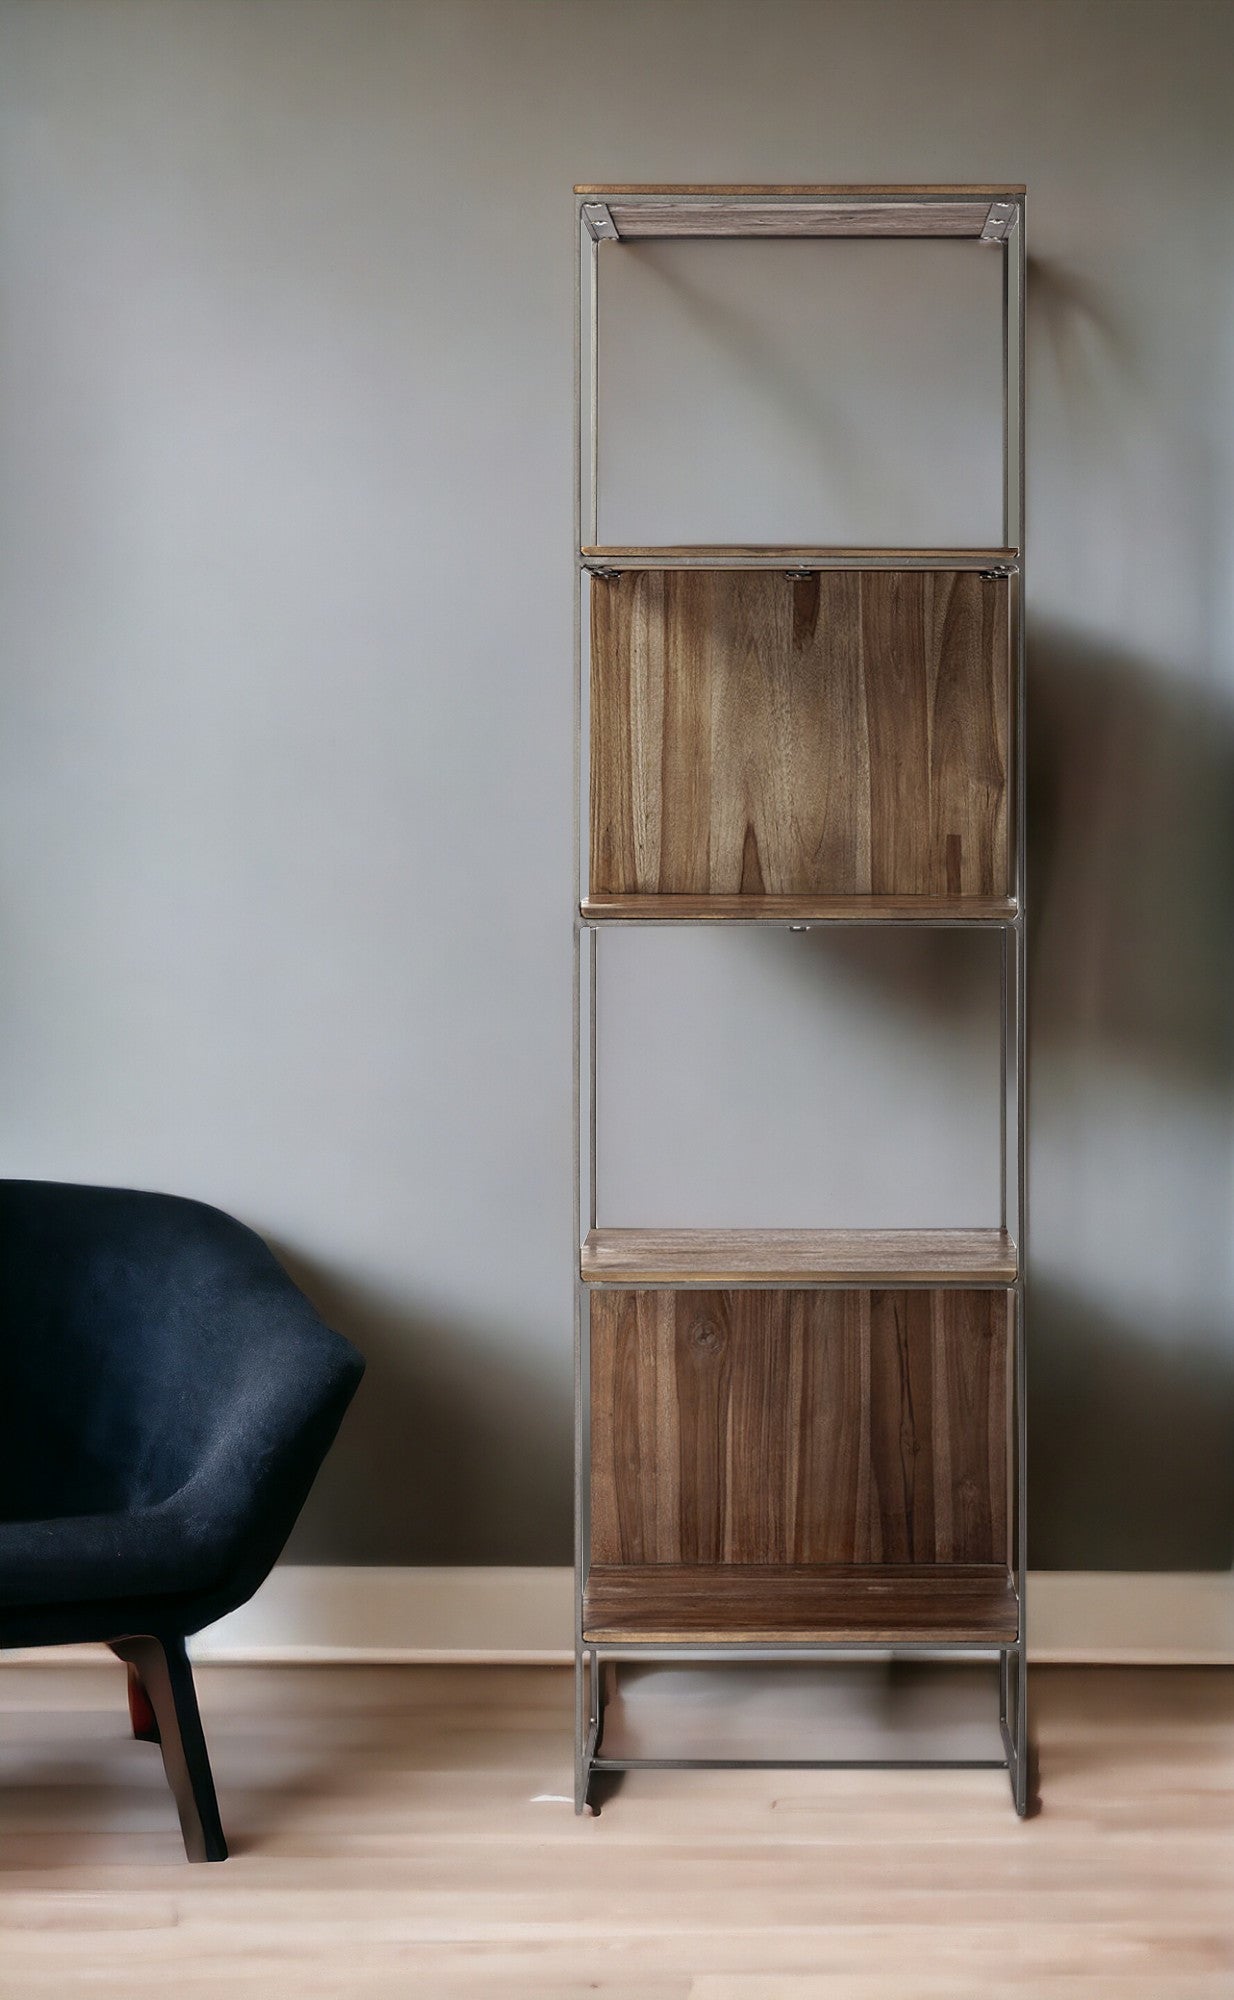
843 734
715 1257
871 1604
798 1427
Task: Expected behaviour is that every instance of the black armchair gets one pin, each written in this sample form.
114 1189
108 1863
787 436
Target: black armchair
167 1396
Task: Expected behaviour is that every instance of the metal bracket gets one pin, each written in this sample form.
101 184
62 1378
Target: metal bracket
600 222
605 575
997 223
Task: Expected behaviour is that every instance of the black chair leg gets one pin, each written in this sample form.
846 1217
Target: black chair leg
165 1676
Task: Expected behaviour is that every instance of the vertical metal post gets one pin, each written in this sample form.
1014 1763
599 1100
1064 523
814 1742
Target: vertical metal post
1003 1038
1014 265
586 528
580 1722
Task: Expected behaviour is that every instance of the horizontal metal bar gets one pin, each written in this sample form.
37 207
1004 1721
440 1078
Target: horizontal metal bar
798 1764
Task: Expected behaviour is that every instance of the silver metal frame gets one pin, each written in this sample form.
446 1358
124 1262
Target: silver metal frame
1004 232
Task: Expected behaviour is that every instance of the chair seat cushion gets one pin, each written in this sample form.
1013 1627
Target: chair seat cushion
168 1549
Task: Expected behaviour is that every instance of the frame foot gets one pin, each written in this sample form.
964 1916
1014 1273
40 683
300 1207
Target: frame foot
165 1678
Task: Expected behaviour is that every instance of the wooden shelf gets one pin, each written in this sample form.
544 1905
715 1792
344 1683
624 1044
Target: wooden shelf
772 1425
724 1258
767 555
632 212
769 1604
849 734
947 910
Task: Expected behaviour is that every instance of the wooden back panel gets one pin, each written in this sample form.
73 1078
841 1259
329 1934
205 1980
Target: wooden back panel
846 733
799 1426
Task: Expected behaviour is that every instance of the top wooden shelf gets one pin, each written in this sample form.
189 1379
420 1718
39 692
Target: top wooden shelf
769 555
620 213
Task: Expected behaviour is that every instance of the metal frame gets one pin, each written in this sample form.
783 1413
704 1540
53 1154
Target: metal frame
1005 233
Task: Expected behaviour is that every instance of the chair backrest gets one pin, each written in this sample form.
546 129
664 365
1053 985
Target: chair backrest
130 1324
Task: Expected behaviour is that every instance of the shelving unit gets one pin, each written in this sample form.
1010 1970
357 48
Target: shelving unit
790 1441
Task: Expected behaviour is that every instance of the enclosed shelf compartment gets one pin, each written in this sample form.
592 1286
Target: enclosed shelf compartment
839 733
799 1427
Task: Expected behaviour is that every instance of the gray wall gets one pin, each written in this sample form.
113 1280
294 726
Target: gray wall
285 867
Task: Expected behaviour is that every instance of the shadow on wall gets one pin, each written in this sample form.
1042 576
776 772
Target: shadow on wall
1131 860
1131 866
1131 1443
457 1450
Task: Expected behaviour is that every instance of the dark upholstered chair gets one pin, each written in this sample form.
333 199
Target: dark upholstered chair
166 1398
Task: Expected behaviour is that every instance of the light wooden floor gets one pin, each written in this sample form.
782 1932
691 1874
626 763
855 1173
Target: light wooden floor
404 1831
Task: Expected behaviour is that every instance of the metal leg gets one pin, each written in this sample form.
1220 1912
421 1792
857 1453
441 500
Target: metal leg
580 1735
164 1671
1013 1723
1020 1786
588 1723
601 1677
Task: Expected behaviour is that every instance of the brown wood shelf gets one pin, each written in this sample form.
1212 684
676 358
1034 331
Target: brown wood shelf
798 909
772 1604
725 1258
847 734
799 211
768 555
783 1425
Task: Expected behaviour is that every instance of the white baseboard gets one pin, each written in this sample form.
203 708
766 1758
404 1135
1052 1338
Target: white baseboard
523 1617
1124 1618
451 1617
